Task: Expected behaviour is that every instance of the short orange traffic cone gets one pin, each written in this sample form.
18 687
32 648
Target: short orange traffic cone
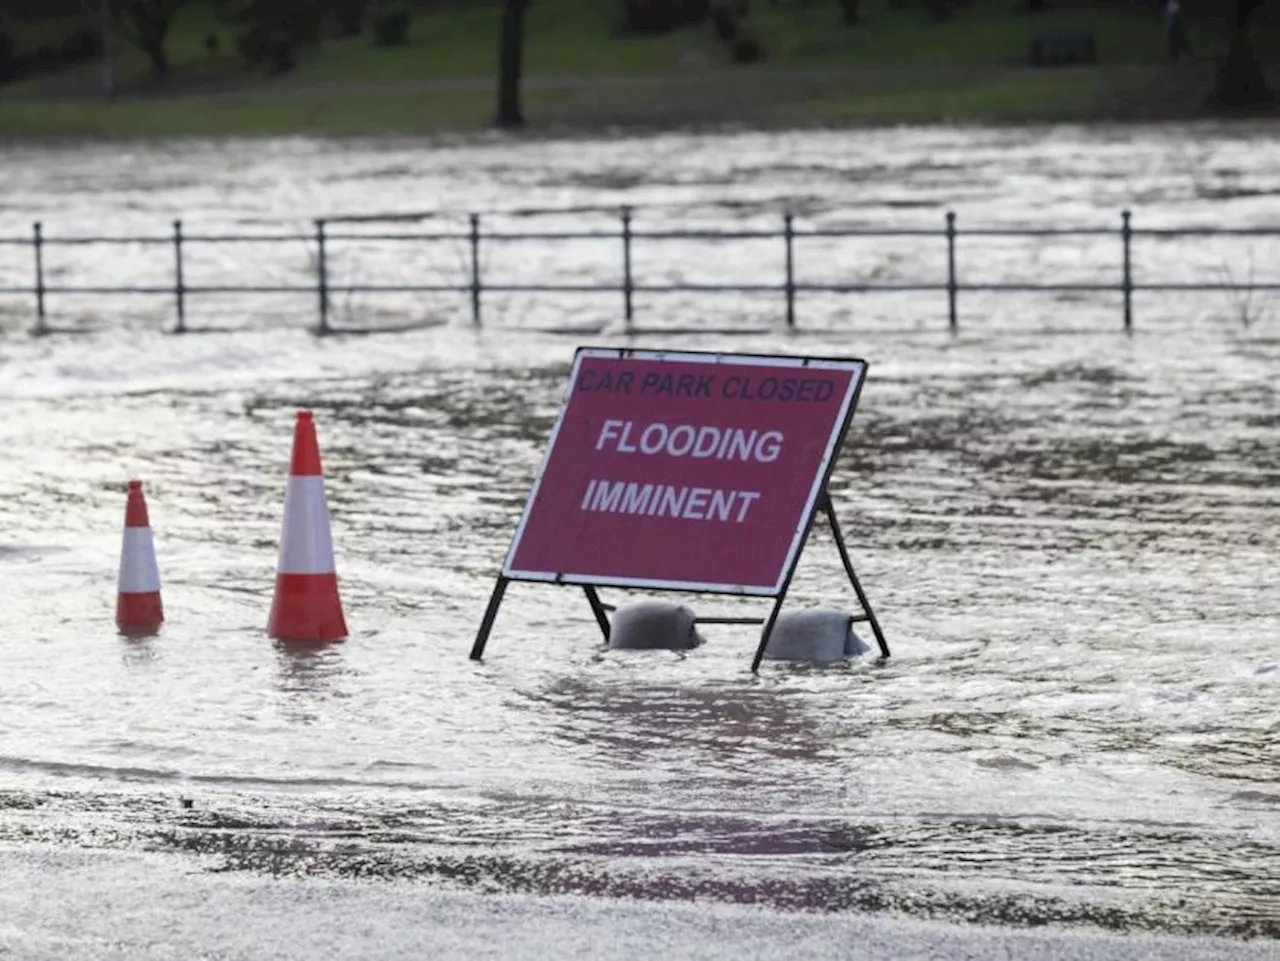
306 606
138 607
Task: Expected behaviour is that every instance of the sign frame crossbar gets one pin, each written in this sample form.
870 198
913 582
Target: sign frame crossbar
602 610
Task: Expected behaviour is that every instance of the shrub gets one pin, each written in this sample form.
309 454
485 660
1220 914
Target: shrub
82 42
661 16
724 22
8 62
301 20
46 57
391 27
350 16
260 46
745 48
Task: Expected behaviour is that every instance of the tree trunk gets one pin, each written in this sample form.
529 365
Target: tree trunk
1241 82
510 64
159 59
849 12
145 24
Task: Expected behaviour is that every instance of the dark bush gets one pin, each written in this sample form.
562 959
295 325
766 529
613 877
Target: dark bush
46 57
1066 48
745 48
283 58
301 20
82 42
350 16
251 44
261 46
724 22
391 27
661 16
8 62
306 21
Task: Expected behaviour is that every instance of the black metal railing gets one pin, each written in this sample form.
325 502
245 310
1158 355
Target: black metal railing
475 239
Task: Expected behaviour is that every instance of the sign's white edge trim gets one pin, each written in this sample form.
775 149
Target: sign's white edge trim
542 467
760 590
753 360
820 475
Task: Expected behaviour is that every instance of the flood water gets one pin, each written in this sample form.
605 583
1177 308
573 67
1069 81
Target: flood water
1069 536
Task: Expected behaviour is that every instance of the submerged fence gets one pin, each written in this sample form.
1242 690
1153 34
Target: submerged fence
624 238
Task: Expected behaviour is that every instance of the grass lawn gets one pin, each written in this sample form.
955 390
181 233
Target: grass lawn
331 115
896 65
763 99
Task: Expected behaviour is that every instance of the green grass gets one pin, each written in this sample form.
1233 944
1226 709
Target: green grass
335 115
987 33
1066 94
450 39
576 37
762 99
896 65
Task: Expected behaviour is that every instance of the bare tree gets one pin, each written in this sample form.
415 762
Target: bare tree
511 64
145 24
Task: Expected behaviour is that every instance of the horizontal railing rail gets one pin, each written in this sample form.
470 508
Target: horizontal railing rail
329 231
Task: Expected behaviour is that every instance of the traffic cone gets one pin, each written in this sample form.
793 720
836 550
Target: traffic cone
138 606
306 606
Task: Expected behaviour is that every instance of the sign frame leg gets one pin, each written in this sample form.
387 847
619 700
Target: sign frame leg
829 509
768 629
602 618
786 586
490 615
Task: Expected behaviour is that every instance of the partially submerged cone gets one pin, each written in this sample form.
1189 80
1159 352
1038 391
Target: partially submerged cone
306 605
139 609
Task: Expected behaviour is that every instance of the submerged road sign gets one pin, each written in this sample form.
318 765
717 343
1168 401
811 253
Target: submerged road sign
683 470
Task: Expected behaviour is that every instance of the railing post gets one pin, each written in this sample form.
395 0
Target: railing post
475 269
322 278
179 285
627 285
953 286
1126 233
38 245
788 234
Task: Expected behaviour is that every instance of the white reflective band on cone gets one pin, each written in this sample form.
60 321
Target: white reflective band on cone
306 546
138 571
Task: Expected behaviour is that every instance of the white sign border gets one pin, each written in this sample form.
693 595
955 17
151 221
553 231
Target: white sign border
859 367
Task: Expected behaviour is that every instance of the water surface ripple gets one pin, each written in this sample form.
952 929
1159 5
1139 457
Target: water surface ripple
1070 539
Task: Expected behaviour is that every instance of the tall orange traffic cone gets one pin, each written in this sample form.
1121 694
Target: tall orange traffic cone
138 606
306 606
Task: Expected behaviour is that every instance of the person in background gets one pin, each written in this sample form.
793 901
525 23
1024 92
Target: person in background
1175 30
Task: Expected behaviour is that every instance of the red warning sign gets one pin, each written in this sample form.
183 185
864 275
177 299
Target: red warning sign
687 470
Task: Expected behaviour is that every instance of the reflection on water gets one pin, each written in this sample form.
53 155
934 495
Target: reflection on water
1069 541
308 673
645 726
139 652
